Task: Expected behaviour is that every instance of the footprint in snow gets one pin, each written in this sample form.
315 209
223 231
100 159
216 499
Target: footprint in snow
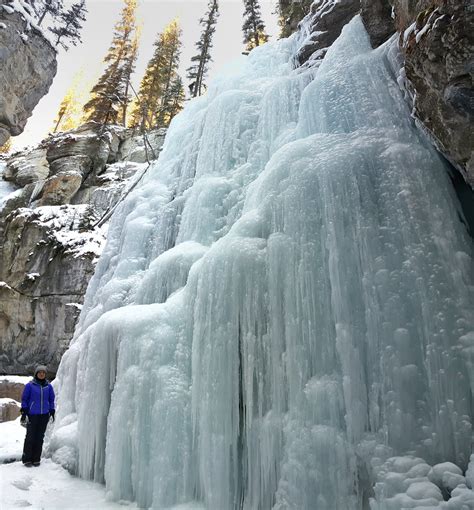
23 484
22 503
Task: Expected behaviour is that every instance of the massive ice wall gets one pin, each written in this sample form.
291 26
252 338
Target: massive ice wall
283 306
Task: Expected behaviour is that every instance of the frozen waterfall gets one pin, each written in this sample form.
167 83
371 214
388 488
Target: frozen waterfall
284 304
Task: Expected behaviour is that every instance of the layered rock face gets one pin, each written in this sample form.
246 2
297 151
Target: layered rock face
437 41
439 65
28 66
52 238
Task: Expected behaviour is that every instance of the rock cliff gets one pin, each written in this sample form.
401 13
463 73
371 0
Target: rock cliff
439 65
51 237
437 42
27 68
328 17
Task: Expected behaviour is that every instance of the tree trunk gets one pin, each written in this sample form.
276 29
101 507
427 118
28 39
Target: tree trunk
61 115
125 104
41 18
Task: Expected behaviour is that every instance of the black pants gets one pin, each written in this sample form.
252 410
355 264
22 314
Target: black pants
34 437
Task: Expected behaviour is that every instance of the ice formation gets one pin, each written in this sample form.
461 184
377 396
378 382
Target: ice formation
281 316
5 187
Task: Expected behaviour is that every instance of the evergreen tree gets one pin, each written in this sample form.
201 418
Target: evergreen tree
70 24
62 122
156 102
63 22
174 101
6 147
47 7
198 71
69 113
33 8
110 96
129 68
290 13
172 51
253 27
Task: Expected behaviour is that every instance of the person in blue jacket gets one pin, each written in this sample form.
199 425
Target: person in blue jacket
37 407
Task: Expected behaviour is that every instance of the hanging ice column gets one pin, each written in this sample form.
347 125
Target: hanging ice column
282 305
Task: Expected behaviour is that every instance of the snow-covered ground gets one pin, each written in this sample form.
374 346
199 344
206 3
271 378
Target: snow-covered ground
47 487
50 487
22 379
12 435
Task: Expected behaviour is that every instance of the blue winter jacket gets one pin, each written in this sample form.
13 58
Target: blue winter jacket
37 399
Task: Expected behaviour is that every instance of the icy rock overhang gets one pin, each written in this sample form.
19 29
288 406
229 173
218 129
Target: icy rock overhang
28 66
435 38
436 44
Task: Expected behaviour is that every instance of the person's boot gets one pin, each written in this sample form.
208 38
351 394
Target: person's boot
28 464
36 464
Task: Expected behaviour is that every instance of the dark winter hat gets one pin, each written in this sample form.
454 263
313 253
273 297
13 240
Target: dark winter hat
40 368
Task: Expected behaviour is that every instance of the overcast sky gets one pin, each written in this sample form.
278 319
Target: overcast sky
154 15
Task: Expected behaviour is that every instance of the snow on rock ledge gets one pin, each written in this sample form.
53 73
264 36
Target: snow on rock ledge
28 66
51 240
47 259
328 17
9 409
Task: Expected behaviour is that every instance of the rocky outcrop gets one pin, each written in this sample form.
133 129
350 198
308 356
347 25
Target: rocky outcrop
28 66
378 20
9 409
51 237
12 388
47 260
140 149
22 171
328 17
437 42
439 66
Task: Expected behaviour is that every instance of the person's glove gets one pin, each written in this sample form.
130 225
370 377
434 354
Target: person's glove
24 411
52 413
24 420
